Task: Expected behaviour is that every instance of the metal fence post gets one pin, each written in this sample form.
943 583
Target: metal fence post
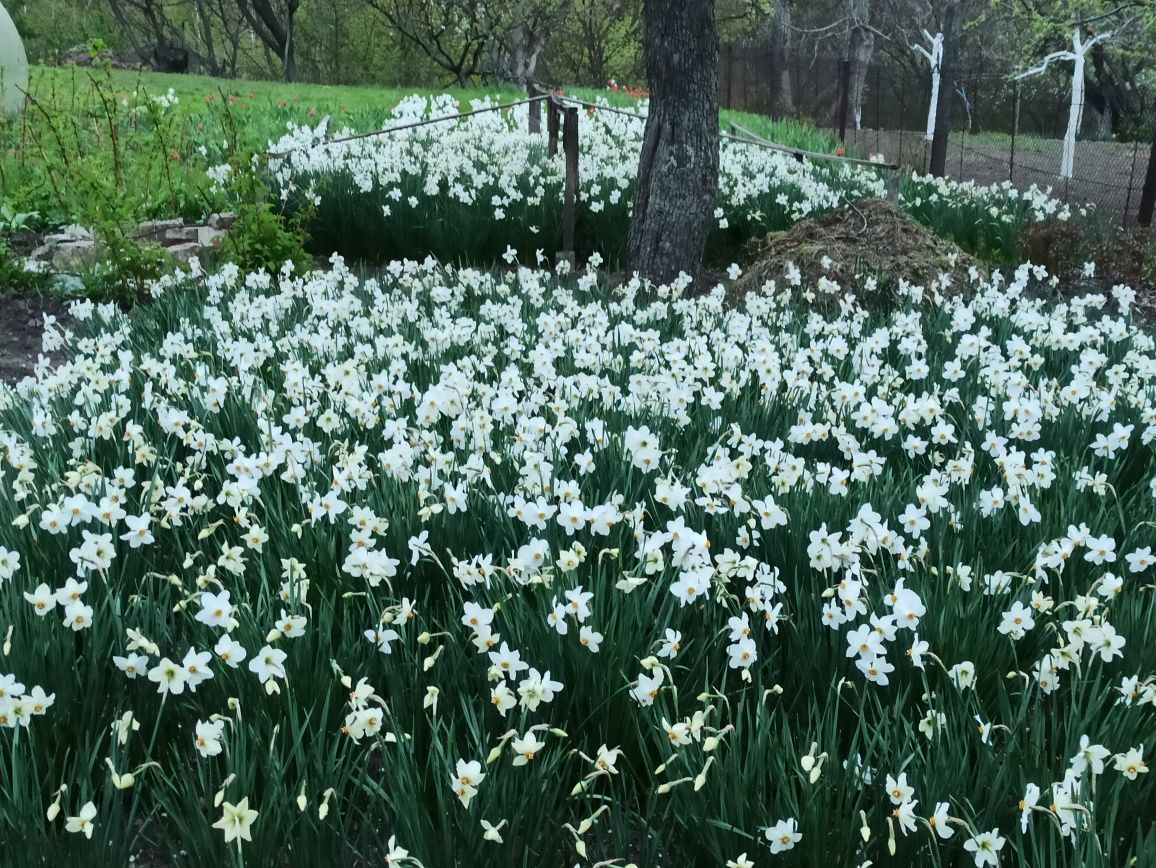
1011 160
1131 182
1148 196
962 139
878 108
729 52
844 98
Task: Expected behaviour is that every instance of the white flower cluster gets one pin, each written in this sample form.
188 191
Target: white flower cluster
524 512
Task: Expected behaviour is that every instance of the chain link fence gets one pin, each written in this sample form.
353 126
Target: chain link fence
1002 129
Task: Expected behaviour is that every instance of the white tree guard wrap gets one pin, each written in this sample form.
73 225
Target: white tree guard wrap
13 66
934 57
1079 51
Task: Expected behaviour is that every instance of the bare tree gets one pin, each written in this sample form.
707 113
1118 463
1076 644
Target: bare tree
459 36
678 169
782 100
859 46
144 23
598 39
274 22
451 33
518 32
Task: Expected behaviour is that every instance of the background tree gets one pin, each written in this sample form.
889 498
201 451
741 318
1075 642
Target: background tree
274 23
597 40
677 185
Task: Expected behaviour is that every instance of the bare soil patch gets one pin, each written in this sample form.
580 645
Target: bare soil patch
21 329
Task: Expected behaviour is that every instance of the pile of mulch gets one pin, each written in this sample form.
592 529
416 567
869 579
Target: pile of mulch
870 238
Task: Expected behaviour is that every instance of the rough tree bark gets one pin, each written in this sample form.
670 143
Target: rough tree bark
677 185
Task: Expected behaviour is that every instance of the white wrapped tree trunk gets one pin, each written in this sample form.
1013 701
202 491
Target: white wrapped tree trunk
13 66
1079 51
934 57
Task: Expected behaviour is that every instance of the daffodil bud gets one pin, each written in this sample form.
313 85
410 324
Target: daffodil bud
495 752
273 636
700 780
302 802
424 638
558 733
21 522
864 830
580 846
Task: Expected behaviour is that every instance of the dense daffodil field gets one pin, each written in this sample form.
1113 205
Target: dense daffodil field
472 188
492 569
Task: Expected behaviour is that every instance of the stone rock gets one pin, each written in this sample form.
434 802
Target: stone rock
75 254
180 235
182 253
65 237
13 66
153 229
68 284
207 236
75 230
223 221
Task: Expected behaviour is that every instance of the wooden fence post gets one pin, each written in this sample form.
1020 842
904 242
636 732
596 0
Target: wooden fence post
551 126
570 202
535 116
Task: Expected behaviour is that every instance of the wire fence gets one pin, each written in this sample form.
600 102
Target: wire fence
1002 129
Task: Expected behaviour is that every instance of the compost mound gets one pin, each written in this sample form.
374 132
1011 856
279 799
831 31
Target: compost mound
867 239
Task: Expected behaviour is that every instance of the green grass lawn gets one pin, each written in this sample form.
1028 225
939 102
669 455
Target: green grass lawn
197 92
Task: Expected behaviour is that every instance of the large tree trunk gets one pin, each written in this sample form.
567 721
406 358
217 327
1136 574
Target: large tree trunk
678 170
782 99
